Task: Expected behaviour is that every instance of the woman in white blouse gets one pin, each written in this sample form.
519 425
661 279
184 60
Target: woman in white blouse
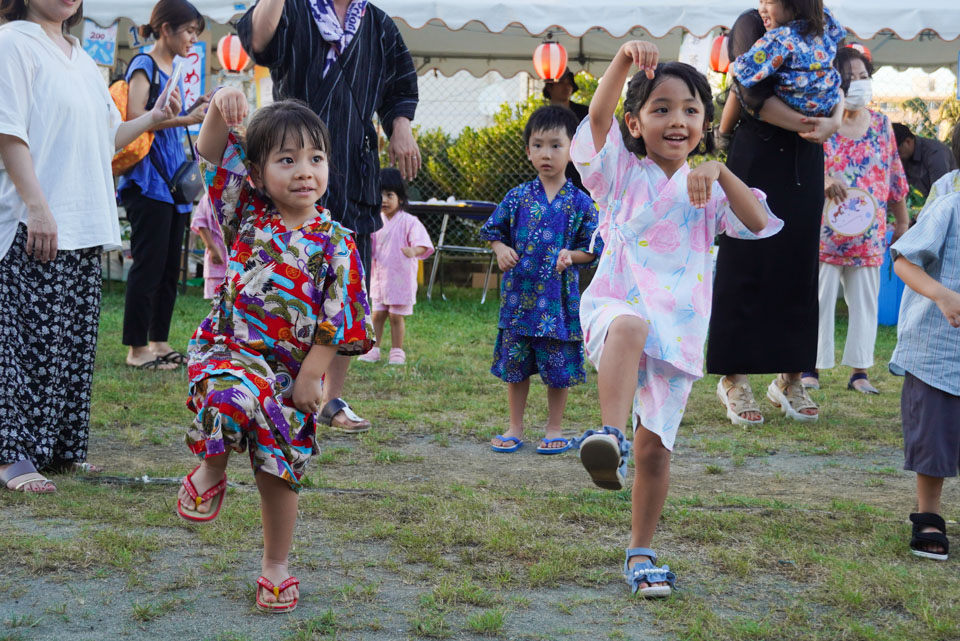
59 130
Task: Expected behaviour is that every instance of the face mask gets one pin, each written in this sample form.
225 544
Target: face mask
858 95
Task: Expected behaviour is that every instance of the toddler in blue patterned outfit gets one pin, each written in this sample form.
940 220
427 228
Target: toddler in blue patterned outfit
798 51
541 235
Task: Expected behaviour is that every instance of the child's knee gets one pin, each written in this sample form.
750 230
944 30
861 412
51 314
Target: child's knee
380 315
628 332
396 319
648 449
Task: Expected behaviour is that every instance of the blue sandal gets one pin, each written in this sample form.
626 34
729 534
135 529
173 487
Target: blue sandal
544 447
506 449
647 572
604 455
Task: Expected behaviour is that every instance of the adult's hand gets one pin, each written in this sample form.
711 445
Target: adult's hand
822 129
41 233
403 151
835 188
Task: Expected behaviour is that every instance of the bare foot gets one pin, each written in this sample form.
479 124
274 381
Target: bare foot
515 432
749 415
277 573
139 356
206 476
553 432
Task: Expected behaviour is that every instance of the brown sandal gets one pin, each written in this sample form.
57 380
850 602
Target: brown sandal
738 400
792 398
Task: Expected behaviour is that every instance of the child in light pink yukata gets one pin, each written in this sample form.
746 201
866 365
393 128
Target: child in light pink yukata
204 224
397 246
645 313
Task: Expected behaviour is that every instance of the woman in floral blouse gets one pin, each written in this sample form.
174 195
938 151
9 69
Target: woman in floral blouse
863 172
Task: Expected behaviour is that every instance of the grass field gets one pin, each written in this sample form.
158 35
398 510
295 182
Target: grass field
416 530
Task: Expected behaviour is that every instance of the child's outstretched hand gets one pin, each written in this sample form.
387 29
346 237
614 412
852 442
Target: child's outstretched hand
308 393
700 182
232 105
507 258
643 54
564 260
949 304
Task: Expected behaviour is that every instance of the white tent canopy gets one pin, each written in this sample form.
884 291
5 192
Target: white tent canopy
482 35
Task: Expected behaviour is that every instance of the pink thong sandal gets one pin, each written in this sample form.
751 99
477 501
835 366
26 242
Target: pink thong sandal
215 493
265 583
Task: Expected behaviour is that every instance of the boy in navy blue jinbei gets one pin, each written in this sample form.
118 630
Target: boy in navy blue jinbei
541 235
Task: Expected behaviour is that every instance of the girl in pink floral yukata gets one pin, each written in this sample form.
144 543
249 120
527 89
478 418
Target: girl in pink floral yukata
397 246
645 313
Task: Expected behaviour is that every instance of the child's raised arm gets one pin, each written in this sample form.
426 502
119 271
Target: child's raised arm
227 109
604 103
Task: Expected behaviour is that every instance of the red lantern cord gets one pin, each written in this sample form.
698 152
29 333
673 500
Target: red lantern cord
550 60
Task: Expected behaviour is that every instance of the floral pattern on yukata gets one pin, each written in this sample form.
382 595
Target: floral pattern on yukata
802 65
393 278
284 291
657 265
516 358
534 299
872 164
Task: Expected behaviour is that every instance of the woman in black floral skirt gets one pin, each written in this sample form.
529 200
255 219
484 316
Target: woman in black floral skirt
59 130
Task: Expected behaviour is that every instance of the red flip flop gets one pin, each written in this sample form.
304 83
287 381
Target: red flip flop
265 583
215 493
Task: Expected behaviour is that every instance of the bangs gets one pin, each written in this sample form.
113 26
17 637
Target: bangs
285 124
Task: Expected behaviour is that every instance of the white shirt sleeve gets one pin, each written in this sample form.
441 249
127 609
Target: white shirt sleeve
16 88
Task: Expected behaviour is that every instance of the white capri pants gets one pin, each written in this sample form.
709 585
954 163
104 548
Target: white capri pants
861 290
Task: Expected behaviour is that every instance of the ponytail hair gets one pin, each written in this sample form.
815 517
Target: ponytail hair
172 12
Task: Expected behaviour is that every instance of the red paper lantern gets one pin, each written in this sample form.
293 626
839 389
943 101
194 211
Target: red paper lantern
719 57
231 55
862 48
550 60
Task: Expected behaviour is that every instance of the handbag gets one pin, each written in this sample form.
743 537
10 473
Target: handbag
185 185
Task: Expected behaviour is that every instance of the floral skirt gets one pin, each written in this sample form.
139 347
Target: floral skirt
48 342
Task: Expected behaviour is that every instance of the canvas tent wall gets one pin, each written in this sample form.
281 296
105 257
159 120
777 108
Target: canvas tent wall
481 35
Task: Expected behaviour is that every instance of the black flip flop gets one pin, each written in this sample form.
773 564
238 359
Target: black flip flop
153 365
173 356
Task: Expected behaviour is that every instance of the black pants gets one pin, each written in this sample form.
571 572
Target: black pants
156 242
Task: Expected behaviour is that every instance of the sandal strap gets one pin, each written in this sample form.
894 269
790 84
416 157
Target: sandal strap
632 552
646 572
797 395
921 520
19 468
268 585
937 538
740 399
206 496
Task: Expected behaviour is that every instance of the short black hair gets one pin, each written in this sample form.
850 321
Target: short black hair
844 59
392 180
548 118
640 88
902 132
271 126
567 75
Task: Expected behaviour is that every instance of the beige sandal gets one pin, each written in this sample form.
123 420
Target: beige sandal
738 400
792 398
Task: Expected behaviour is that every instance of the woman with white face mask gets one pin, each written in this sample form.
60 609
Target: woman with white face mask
864 178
